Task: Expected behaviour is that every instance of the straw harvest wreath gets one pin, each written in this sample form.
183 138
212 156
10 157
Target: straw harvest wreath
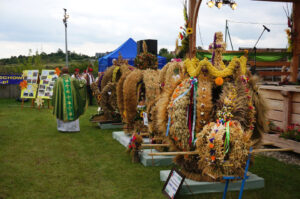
104 88
217 111
140 86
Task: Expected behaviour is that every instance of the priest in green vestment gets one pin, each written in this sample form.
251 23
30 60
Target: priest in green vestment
69 101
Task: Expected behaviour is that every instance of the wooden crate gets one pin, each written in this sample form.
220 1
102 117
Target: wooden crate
283 103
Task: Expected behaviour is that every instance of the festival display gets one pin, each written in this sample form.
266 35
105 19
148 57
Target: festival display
217 112
168 77
204 107
47 80
104 89
140 89
29 84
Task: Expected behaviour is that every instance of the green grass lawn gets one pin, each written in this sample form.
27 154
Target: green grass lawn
38 162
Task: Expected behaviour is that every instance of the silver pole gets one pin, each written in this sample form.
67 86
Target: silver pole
66 40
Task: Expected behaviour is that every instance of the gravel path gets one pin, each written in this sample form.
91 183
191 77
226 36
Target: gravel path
287 157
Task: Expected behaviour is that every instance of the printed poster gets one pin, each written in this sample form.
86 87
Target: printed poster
31 76
47 80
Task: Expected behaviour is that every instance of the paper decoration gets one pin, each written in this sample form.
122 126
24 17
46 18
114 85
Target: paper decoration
57 71
47 81
31 77
39 101
23 84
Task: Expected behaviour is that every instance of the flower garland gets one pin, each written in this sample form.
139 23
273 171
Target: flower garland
252 111
194 67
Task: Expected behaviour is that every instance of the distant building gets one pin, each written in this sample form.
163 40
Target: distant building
99 55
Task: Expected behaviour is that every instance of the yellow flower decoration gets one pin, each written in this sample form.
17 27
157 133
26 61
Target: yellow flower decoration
194 66
189 31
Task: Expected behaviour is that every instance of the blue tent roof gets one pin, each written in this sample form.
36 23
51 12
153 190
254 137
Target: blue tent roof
128 51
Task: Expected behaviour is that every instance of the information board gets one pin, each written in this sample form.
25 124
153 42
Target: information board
173 183
47 81
31 76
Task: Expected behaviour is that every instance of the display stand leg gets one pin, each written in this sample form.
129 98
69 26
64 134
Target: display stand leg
225 189
32 103
152 158
244 178
245 175
48 103
22 103
188 187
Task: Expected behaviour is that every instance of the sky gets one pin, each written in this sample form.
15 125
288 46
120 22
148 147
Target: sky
103 25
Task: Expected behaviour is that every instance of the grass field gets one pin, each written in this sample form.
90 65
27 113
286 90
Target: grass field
37 162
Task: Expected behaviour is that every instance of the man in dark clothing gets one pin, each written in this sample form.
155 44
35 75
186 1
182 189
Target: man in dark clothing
90 79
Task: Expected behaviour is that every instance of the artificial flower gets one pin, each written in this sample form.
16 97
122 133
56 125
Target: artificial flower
57 71
219 81
23 84
189 31
39 101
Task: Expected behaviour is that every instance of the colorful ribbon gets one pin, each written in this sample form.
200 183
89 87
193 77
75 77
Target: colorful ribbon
227 138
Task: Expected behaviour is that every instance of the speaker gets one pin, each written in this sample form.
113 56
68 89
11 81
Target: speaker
151 46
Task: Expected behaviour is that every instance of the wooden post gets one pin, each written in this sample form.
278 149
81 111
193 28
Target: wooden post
197 153
22 103
287 108
48 103
193 10
32 103
296 41
155 145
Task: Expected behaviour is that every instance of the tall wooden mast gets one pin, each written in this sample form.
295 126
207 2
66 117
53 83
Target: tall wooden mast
193 10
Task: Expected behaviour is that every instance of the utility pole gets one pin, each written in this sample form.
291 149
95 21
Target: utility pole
66 40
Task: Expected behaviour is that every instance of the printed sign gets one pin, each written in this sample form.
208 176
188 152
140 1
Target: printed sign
145 118
47 81
31 76
173 183
10 79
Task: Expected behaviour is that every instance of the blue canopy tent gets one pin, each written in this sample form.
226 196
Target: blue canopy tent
128 51
162 61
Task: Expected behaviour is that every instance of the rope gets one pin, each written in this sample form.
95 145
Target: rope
276 24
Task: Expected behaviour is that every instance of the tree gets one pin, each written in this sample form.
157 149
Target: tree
163 51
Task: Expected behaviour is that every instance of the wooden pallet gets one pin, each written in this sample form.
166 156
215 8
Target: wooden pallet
275 140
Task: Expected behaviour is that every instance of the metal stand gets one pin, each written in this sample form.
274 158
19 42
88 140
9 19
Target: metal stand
253 68
227 32
245 177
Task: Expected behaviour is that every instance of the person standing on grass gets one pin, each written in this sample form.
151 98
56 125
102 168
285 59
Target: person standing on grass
69 101
90 79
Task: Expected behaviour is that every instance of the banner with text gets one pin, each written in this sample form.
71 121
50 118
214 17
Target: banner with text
10 79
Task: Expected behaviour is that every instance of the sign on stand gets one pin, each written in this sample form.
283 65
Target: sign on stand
173 183
145 118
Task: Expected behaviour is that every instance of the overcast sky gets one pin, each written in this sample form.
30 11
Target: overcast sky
103 25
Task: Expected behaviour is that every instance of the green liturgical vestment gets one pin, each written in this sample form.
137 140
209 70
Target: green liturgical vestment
69 98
